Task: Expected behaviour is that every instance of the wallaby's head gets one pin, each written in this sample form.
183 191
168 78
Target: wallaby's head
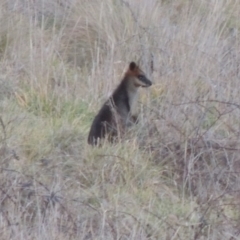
137 76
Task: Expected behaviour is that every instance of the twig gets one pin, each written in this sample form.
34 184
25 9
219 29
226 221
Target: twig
4 130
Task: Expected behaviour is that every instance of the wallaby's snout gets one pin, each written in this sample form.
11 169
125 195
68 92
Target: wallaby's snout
145 82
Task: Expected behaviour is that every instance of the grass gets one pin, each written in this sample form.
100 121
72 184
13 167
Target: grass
174 175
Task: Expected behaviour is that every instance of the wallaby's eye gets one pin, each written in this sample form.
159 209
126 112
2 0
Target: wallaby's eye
141 77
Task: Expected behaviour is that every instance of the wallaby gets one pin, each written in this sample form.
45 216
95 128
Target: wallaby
118 111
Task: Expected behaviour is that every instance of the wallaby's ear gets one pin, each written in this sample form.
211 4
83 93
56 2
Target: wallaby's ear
132 66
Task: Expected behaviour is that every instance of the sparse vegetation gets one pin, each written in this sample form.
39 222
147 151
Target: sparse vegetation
175 175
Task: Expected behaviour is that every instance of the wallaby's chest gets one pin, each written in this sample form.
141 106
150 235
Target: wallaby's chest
133 97
125 98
